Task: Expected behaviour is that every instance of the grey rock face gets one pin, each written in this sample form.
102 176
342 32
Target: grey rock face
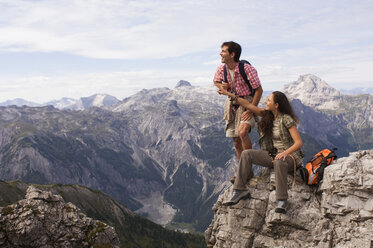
45 220
337 214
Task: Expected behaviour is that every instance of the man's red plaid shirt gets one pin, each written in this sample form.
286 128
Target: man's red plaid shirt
242 89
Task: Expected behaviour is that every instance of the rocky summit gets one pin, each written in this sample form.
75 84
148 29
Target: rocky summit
338 213
45 220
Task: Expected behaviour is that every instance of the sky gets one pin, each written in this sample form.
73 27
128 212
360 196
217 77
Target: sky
51 49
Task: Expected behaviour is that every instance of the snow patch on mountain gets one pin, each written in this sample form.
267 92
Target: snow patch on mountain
97 100
63 103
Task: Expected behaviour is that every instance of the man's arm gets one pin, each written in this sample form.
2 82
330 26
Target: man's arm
218 84
257 95
221 84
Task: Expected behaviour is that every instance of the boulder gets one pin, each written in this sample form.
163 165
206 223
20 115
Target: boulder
337 213
45 220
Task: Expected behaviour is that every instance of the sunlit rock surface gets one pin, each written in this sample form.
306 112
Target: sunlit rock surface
339 213
45 220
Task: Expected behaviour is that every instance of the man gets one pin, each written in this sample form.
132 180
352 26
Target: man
239 121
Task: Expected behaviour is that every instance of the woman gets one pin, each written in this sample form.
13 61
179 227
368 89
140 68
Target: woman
280 146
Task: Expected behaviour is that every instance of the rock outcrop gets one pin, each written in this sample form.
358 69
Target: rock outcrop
339 213
45 220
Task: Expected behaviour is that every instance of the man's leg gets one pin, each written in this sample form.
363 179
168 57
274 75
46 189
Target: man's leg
238 145
243 132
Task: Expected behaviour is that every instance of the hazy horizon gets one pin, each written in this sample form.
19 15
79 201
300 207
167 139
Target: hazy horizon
359 89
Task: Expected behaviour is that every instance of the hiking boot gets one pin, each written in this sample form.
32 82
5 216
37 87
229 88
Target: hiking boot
237 195
233 179
281 206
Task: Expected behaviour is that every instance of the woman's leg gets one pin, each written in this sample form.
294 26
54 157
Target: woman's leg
244 171
282 167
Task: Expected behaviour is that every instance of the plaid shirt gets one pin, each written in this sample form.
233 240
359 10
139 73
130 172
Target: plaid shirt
286 122
242 89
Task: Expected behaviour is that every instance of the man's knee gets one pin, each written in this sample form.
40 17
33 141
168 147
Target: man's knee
244 130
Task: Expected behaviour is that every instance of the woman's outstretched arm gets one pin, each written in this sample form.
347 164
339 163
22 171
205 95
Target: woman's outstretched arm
241 101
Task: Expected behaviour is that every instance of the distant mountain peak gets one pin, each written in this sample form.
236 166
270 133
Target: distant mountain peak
183 83
19 102
312 91
311 84
98 100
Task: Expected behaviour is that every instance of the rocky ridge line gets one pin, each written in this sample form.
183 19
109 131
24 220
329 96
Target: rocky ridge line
337 214
45 220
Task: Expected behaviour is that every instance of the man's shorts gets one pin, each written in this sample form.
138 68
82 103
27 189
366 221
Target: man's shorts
232 126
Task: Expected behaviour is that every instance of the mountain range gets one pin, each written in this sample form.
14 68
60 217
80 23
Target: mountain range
163 152
101 100
97 100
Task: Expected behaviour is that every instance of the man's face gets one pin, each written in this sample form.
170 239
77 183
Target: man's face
226 57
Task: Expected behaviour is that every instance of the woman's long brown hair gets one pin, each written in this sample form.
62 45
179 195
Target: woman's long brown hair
266 123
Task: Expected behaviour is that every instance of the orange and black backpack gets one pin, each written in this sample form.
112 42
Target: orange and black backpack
313 172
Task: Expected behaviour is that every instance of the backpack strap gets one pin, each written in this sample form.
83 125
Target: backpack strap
325 163
225 74
241 67
321 170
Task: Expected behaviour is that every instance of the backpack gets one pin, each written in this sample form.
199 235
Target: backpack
313 172
241 65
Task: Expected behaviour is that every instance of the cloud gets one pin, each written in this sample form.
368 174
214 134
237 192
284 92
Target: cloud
163 29
106 29
282 39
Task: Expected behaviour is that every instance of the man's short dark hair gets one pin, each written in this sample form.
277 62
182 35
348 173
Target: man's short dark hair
233 47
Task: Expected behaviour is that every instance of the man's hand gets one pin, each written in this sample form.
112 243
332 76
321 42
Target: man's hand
221 83
224 85
222 91
222 88
247 115
218 84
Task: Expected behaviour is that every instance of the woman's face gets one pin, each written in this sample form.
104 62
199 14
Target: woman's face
270 104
